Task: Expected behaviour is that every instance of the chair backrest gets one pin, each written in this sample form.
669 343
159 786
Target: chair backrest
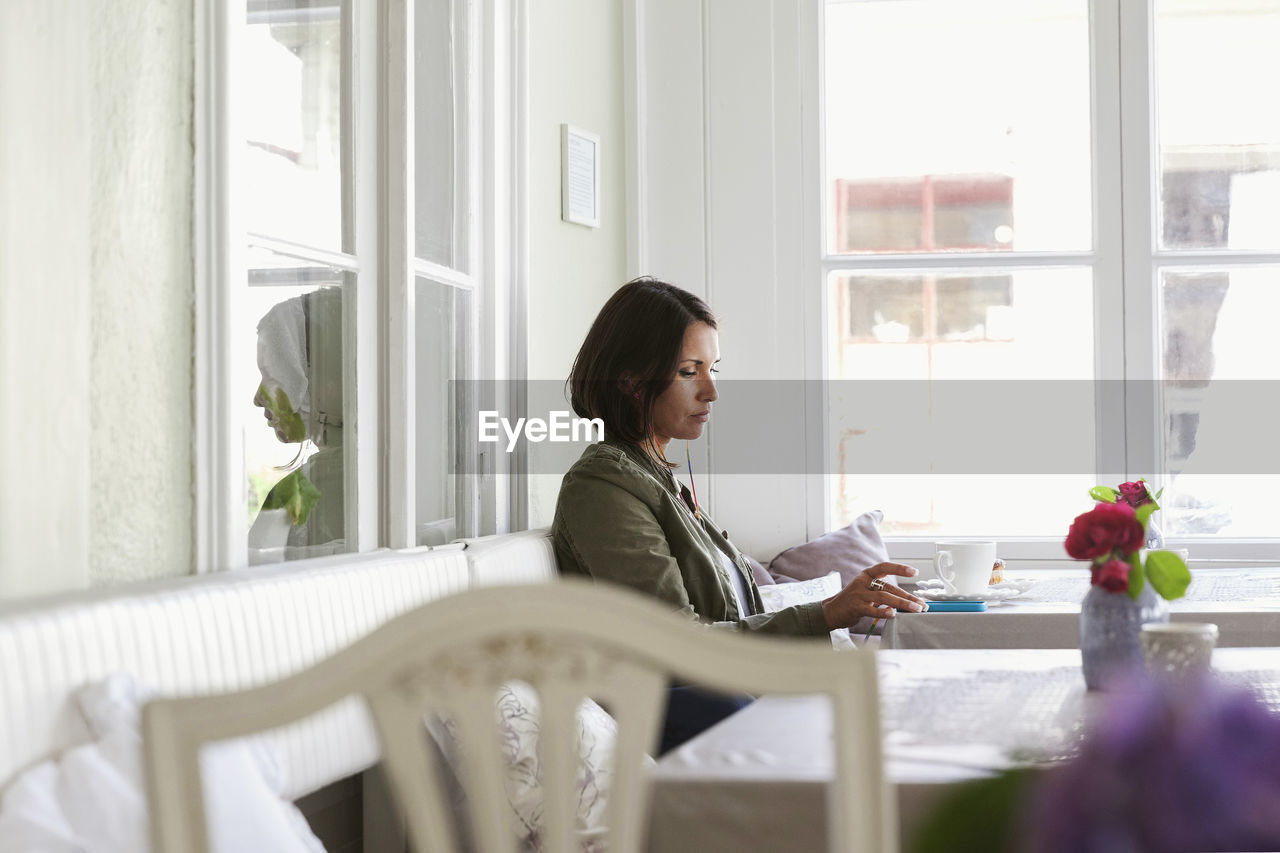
567 640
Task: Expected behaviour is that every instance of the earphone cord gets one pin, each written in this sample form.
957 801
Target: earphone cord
697 511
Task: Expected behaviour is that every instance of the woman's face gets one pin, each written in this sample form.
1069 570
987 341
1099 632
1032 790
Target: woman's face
682 410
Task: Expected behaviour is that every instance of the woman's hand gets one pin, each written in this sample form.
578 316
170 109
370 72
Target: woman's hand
869 595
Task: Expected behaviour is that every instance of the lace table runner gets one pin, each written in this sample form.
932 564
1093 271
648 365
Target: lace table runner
1206 585
1038 714
1034 716
1265 683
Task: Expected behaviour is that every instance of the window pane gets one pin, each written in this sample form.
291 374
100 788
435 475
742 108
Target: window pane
440 122
445 413
957 125
949 387
294 409
1023 324
292 112
1219 137
1219 402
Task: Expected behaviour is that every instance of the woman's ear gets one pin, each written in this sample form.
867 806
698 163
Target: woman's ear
629 387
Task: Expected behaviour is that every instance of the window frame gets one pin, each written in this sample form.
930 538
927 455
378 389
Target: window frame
378 338
1125 249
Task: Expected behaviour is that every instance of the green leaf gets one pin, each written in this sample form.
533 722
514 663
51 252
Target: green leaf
1105 494
291 423
295 429
1143 513
296 495
978 817
1169 575
1154 497
1135 576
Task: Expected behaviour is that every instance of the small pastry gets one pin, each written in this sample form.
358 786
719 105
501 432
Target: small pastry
997 571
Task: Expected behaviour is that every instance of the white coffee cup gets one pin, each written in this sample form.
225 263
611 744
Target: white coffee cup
964 567
1178 648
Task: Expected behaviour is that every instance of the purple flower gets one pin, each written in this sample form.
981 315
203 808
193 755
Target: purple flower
1170 767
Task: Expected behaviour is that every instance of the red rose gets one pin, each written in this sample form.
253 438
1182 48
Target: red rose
1103 529
1113 575
1135 494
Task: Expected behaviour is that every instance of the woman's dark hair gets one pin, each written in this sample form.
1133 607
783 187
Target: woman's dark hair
631 353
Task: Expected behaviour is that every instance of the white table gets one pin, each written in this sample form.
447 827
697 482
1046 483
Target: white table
1244 603
757 780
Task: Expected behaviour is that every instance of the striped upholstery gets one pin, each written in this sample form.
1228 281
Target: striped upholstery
212 633
512 558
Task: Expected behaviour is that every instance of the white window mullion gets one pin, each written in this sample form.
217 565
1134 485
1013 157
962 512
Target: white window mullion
221 527
484 65
809 61
396 178
1143 430
502 207
1108 240
443 274
885 262
360 331
464 81
337 260
486 128
1210 259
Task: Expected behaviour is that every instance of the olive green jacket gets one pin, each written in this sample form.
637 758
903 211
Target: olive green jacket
620 518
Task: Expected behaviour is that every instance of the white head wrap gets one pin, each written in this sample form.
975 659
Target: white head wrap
282 352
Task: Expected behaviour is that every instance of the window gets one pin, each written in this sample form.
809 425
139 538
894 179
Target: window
1051 218
347 273
300 260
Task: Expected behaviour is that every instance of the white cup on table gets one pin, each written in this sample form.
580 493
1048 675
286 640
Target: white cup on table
1178 649
964 567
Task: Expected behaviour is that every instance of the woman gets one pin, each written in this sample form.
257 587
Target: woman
647 370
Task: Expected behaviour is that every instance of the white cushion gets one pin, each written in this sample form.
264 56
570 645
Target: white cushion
93 798
215 632
516 714
512 558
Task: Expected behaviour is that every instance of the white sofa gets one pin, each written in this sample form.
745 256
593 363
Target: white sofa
230 630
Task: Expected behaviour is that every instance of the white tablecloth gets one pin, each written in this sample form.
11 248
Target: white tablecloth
757 780
1243 603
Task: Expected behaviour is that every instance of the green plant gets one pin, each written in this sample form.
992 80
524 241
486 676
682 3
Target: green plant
295 494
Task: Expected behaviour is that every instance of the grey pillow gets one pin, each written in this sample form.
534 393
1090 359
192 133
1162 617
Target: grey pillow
848 551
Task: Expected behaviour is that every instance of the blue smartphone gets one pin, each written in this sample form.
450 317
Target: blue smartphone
957 606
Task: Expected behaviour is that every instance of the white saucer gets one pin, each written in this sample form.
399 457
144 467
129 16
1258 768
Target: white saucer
933 590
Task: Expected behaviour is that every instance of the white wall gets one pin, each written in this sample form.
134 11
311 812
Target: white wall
575 77
143 315
722 143
95 292
44 305
96 318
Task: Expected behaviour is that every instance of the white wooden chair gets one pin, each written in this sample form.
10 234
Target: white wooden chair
567 639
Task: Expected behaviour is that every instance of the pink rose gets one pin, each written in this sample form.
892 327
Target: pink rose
1113 575
1135 494
1104 529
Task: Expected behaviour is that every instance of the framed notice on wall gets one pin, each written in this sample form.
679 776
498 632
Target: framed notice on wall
579 176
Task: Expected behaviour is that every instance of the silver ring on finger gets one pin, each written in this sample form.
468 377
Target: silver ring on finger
877 584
